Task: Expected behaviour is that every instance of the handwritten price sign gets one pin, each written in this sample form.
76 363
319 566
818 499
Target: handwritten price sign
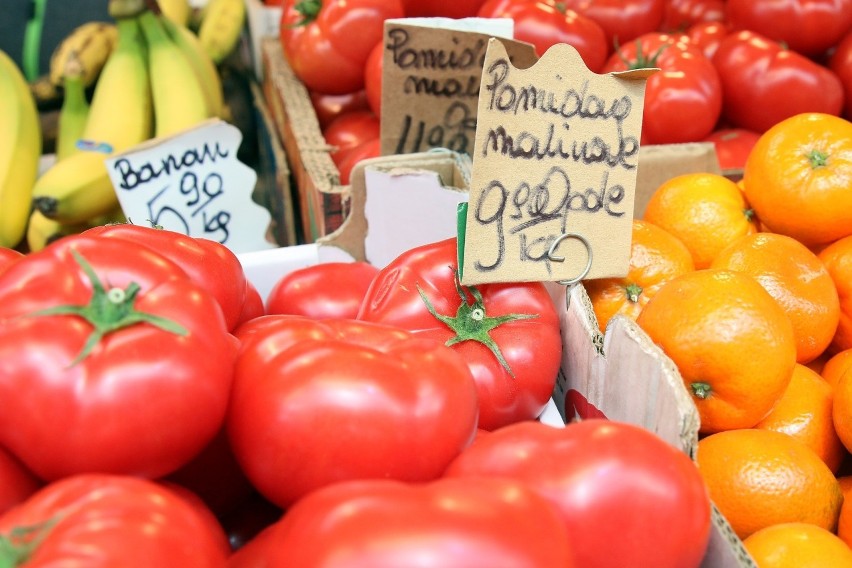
554 170
192 183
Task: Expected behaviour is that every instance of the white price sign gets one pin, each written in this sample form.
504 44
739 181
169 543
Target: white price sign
193 183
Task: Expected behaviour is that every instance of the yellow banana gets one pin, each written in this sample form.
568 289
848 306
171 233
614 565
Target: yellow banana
91 43
221 26
74 111
78 188
201 63
42 231
177 11
178 95
20 150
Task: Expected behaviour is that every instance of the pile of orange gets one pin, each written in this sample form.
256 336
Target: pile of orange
760 328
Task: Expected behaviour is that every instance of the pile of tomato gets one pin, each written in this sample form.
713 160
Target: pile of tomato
729 70
158 412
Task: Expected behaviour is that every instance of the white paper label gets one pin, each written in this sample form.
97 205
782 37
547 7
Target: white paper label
193 183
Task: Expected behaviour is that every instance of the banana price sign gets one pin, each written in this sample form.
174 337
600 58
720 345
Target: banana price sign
193 183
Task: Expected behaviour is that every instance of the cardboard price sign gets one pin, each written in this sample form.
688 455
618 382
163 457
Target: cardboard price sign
192 183
554 170
431 74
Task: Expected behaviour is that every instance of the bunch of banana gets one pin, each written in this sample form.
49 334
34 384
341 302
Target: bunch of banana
91 44
157 81
20 149
221 24
74 112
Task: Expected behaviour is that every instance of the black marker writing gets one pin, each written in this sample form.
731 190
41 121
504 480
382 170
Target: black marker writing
406 57
133 175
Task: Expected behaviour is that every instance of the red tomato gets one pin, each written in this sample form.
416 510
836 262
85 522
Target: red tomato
683 100
370 149
215 477
507 333
763 83
108 520
544 23
809 27
679 15
322 291
349 131
327 43
622 20
578 407
841 63
707 35
329 107
210 264
451 523
441 8
16 481
253 306
318 402
623 493
104 336
8 256
733 145
373 78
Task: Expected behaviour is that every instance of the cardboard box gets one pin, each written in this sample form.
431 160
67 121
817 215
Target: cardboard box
621 374
322 199
273 189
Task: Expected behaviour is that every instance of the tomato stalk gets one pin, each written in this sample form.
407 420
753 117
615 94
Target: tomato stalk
642 61
17 547
309 10
108 311
471 322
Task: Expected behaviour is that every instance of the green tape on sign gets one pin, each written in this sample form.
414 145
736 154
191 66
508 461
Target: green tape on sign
461 226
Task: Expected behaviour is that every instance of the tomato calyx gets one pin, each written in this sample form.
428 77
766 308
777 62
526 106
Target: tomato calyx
108 310
471 322
633 292
18 545
641 61
309 10
817 159
701 390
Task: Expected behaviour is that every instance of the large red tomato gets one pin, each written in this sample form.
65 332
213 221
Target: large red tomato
841 63
441 8
809 27
679 15
624 493
320 291
317 402
327 42
544 23
683 100
16 481
210 264
448 523
112 359
622 20
100 521
507 333
764 83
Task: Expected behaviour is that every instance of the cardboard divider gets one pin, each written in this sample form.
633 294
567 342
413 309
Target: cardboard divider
322 199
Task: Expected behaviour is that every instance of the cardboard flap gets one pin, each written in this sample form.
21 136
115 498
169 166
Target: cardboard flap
661 162
446 170
642 385
635 74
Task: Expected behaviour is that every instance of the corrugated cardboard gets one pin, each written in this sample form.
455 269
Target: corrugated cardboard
661 162
273 175
322 200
